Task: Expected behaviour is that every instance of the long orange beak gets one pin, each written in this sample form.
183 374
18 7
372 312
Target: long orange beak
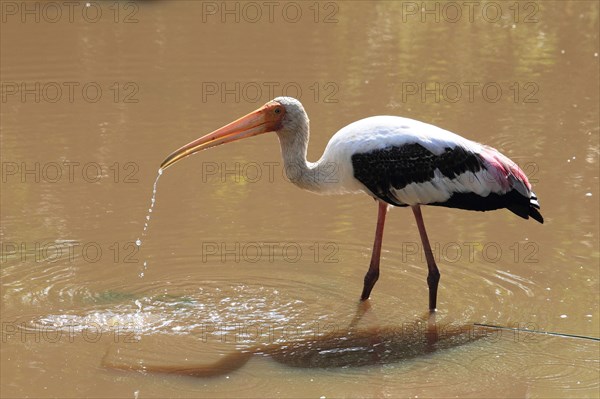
265 119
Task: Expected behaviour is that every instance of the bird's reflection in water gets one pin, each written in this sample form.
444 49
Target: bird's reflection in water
351 347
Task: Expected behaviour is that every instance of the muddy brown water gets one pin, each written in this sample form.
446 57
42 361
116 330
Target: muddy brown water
94 97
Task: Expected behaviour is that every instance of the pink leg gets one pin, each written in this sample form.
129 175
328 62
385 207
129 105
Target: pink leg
373 273
433 277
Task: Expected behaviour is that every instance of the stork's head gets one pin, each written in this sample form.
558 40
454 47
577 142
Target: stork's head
282 115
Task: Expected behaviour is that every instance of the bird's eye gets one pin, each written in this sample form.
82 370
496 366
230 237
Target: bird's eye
277 110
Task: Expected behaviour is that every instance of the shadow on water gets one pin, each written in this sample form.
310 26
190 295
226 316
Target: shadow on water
350 347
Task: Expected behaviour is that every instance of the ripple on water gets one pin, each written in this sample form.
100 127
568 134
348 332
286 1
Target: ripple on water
190 292
222 305
184 319
476 284
485 286
562 363
213 311
44 286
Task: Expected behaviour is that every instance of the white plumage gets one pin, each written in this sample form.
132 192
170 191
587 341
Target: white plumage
379 132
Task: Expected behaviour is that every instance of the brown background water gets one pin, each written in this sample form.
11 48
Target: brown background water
93 100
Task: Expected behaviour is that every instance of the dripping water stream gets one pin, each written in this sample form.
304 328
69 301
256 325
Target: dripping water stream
139 241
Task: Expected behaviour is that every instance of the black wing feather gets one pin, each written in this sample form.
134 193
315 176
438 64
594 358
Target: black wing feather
395 167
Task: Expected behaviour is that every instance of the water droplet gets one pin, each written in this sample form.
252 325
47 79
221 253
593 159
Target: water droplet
152 203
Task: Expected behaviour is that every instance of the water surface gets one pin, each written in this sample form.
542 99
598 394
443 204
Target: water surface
234 250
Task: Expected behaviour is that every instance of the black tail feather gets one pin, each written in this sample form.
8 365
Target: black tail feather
512 200
534 205
534 213
525 211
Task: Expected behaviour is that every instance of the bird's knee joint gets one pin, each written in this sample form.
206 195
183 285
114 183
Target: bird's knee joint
372 276
433 278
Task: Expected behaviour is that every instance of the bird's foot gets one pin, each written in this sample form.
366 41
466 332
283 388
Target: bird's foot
370 280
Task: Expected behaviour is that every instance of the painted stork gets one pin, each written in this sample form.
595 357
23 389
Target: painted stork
398 161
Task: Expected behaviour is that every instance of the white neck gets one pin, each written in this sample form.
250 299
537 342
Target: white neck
311 176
